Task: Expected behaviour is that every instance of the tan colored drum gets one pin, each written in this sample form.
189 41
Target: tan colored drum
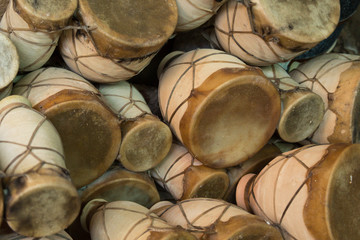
264 32
35 27
58 236
215 219
309 192
302 110
124 220
222 110
336 78
185 177
119 184
114 45
146 140
89 130
253 165
194 13
41 199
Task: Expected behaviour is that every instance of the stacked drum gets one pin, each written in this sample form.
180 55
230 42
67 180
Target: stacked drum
224 136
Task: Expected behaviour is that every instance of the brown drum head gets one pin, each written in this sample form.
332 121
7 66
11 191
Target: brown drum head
344 193
234 121
122 185
303 21
41 205
48 14
301 117
89 131
129 29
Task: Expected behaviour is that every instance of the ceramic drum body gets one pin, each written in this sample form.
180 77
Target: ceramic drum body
124 220
215 219
146 140
336 78
264 32
114 45
194 13
118 184
35 28
89 130
222 110
309 192
302 110
41 200
185 177
58 236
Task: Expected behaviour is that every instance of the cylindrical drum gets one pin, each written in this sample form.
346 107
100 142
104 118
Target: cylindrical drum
124 220
222 110
89 130
116 40
253 165
336 78
35 27
264 32
9 65
146 140
215 219
301 110
41 200
309 192
57 236
119 184
185 177
194 13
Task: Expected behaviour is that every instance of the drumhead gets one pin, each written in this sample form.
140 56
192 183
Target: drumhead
129 29
49 14
304 21
9 64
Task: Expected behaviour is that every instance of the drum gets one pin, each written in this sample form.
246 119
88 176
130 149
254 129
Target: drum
266 32
302 110
215 219
124 220
313 179
194 13
185 177
9 65
146 140
253 165
89 130
118 184
58 236
221 110
112 45
41 200
35 28
336 78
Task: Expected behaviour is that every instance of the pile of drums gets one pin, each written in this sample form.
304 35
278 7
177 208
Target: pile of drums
178 119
